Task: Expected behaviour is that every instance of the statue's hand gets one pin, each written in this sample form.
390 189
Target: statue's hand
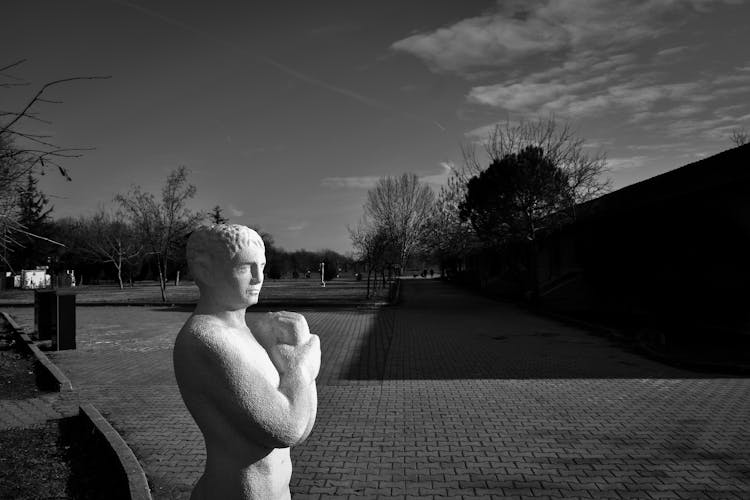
300 357
281 327
289 327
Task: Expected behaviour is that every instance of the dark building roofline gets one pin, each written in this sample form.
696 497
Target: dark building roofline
729 167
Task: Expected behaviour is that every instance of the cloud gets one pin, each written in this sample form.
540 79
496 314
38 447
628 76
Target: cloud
362 182
581 98
629 163
519 30
369 181
234 212
659 147
297 227
515 30
679 111
672 51
446 167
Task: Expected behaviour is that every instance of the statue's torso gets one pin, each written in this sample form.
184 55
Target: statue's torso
236 467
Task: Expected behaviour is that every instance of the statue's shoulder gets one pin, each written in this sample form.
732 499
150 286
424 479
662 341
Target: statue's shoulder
198 326
203 330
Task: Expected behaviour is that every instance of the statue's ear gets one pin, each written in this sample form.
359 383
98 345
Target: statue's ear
202 270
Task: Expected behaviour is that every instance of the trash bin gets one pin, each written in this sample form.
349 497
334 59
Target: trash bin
66 321
55 318
45 313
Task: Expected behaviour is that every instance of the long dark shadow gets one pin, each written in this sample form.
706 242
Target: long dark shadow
443 332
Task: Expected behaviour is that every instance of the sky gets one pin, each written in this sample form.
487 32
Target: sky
285 113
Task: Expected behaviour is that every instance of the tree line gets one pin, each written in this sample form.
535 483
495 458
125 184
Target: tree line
523 181
138 236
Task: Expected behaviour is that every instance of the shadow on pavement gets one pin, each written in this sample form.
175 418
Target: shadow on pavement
441 332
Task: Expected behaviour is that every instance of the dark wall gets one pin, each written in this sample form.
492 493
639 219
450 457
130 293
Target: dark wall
676 247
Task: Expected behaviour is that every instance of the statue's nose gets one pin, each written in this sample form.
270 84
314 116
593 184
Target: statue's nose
257 274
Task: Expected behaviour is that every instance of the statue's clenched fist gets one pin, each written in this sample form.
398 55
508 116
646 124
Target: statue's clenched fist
281 327
289 327
287 339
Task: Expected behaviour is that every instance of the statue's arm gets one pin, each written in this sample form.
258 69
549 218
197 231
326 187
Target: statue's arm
275 417
311 417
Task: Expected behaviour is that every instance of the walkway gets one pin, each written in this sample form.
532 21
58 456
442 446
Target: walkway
448 395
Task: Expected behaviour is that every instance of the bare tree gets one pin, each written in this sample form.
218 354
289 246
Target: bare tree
110 238
23 151
561 146
400 207
740 136
449 238
162 225
374 247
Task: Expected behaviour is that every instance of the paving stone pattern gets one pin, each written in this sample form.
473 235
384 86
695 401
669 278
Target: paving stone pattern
449 395
34 412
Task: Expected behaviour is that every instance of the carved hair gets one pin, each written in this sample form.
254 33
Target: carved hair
220 242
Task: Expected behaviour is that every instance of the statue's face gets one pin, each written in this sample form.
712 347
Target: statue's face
243 277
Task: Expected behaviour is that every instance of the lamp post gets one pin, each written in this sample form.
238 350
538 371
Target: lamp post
323 274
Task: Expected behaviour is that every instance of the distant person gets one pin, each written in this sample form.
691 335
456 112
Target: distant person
251 390
424 273
432 273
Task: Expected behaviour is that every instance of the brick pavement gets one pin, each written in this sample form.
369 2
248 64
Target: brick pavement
33 412
449 395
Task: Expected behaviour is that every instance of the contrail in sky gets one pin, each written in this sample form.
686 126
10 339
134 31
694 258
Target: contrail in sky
279 66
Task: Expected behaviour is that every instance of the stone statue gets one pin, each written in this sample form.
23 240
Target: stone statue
251 389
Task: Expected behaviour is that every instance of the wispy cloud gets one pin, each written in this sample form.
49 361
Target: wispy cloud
601 64
579 98
235 212
665 146
632 162
369 181
360 182
297 227
439 179
672 51
515 30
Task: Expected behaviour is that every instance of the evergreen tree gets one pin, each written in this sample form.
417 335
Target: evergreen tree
34 222
216 216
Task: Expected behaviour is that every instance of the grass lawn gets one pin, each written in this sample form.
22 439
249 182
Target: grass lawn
275 292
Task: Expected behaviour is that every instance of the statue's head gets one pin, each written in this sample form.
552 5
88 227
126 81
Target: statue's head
226 261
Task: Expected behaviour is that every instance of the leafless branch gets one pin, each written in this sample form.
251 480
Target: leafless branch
36 97
740 136
12 65
31 116
8 85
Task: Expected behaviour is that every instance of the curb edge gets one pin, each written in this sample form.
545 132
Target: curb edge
62 382
137 482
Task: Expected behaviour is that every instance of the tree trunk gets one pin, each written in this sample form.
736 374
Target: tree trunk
119 274
162 278
533 265
369 273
